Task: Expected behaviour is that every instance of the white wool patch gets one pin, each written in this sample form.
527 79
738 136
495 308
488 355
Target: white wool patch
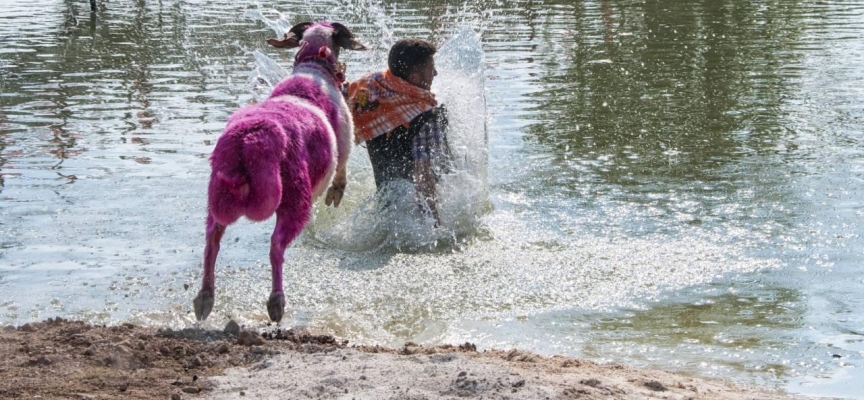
318 35
345 135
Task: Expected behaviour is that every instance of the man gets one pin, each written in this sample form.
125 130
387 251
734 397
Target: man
401 122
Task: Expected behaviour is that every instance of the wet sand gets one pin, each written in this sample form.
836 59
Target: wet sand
59 359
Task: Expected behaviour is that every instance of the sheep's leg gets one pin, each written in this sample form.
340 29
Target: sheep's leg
207 295
337 187
93 5
291 217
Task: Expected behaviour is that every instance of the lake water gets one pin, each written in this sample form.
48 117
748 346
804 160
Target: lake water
664 184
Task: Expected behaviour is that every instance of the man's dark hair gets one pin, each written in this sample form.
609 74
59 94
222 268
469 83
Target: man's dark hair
407 55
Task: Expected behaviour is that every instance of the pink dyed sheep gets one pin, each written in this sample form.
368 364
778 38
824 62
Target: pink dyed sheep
278 156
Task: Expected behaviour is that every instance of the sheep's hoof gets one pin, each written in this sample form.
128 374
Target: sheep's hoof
276 306
203 304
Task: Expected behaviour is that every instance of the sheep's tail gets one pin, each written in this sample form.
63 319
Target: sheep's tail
245 177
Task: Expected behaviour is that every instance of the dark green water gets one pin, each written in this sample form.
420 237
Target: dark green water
672 184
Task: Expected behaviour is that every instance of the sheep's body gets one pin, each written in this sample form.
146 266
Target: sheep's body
277 157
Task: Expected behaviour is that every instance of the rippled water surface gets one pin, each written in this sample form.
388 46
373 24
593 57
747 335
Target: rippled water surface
664 184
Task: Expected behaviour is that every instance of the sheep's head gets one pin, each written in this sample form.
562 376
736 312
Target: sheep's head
312 36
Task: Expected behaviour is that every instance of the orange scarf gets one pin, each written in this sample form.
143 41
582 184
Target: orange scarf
381 102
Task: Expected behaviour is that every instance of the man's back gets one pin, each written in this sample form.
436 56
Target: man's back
393 155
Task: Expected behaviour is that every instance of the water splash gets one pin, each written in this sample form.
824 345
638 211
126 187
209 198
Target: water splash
267 71
279 25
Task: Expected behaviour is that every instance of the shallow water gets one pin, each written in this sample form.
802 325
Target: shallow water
666 185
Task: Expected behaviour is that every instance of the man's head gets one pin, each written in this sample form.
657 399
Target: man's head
411 60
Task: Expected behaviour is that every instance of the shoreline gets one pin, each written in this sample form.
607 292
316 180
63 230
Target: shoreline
57 359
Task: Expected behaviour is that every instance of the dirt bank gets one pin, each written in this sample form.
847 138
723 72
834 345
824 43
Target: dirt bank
62 359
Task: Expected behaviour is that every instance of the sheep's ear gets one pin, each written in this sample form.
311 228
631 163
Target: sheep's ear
342 37
292 38
288 42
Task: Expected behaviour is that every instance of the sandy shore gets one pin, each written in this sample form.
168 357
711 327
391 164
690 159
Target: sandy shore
61 359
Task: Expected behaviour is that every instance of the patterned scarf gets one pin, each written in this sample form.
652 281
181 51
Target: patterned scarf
381 102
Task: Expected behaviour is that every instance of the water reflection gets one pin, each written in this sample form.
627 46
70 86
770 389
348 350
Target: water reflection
5 142
662 90
761 321
777 309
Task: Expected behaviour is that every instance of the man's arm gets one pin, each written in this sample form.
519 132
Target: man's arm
428 146
424 181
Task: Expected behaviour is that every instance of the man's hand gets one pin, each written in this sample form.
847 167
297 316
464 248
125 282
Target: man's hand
335 192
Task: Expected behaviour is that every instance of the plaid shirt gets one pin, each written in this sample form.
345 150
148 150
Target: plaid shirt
430 141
